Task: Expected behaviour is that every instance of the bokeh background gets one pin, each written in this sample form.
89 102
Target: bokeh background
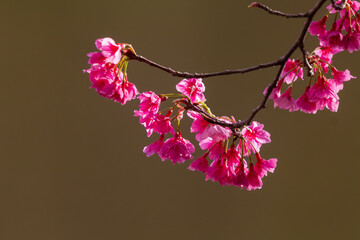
71 162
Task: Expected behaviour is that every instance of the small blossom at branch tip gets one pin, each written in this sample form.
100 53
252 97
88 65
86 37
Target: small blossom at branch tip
193 88
253 4
105 75
109 49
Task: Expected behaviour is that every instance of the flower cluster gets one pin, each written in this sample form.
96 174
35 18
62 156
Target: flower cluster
231 148
344 33
232 165
108 71
322 89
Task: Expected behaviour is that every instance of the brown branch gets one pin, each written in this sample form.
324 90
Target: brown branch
200 75
299 43
278 13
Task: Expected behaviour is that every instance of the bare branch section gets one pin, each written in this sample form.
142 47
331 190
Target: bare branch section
203 75
299 43
277 13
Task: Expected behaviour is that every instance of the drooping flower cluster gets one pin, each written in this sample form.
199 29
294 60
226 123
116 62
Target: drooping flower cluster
345 31
108 71
228 165
323 88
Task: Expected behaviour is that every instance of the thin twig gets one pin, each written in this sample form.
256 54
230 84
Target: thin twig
202 75
278 13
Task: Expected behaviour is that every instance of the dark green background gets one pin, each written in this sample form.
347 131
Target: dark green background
71 162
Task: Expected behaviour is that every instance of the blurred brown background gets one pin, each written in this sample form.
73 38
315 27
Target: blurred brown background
71 162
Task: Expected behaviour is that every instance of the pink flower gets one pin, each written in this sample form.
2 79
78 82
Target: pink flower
105 75
276 92
216 151
201 164
149 102
233 157
340 77
240 176
305 105
286 101
96 58
199 125
348 22
126 91
192 88
332 104
110 84
318 28
333 38
155 122
262 166
254 136
324 94
155 147
292 70
110 50
219 172
161 124
323 89
253 178
351 42
213 134
177 149
324 56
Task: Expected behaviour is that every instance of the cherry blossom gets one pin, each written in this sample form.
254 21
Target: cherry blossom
177 149
192 88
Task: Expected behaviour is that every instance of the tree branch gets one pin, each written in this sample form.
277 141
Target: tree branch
201 75
299 43
277 13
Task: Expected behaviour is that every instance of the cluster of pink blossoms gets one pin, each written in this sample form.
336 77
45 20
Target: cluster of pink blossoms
229 165
106 72
321 91
231 154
